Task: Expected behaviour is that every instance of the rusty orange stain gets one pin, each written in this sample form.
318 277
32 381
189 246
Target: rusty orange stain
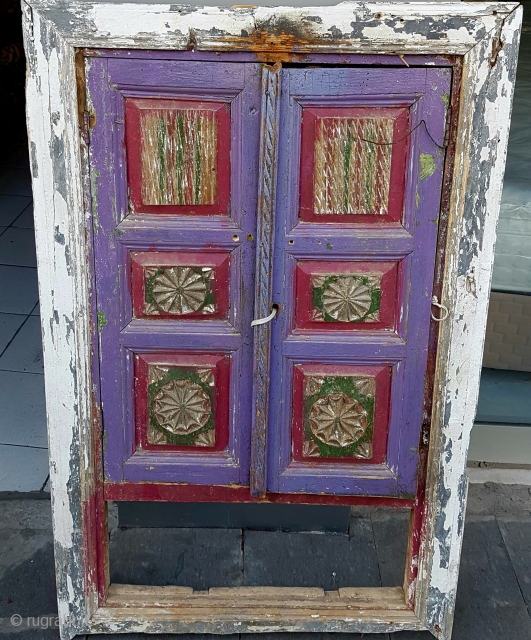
278 45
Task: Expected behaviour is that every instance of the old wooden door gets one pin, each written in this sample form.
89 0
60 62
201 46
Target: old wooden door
175 183
360 159
174 155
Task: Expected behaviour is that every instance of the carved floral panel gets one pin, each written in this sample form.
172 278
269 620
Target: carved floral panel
340 412
346 295
181 401
180 285
178 155
353 164
346 298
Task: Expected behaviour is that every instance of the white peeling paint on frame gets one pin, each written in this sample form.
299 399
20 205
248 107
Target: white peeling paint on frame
53 29
485 112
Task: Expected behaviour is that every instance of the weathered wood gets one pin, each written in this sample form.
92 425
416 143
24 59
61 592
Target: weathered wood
264 261
52 30
376 28
485 110
248 609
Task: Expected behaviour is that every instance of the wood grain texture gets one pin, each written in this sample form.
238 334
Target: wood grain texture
472 30
276 36
264 260
485 110
166 610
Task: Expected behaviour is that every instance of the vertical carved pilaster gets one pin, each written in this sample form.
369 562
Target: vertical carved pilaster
266 204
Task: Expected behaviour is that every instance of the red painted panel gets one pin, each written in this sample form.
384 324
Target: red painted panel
377 424
385 275
134 110
168 492
218 283
311 117
219 364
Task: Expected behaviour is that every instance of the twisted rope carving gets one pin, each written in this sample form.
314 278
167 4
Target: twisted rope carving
266 204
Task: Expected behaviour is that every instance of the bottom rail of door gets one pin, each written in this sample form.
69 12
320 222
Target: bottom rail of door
172 492
144 609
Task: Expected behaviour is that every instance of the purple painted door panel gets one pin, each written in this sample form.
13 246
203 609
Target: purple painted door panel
358 196
174 166
176 189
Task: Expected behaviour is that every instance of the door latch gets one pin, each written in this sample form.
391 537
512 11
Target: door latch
274 312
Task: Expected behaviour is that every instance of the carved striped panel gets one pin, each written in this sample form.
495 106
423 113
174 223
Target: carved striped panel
340 413
181 401
181 285
178 155
353 164
351 173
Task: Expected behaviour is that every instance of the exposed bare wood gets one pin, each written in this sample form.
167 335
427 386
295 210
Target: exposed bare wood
52 31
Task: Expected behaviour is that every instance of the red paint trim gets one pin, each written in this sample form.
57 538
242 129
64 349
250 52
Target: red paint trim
133 107
382 375
389 300
310 116
219 262
165 492
95 539
219 363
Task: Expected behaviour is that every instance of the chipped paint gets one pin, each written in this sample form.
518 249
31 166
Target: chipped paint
427 165
102 321
474 30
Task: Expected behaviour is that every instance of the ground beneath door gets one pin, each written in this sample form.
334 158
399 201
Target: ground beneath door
493 598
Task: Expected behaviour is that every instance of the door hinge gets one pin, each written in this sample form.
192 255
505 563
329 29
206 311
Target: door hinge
447 126
87 124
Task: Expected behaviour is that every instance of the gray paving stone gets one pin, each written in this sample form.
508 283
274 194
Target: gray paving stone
25 219
15 182
329 561
28 587
23 414
11 207
26 631
489 603
197 558
391 537
22 469
17 247
25 351
9 325
18 289
500 500
517 537
26 514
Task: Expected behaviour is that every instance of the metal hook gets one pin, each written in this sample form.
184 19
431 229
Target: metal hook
445 314
268 318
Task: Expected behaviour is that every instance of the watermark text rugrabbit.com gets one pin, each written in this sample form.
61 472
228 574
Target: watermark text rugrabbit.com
35 622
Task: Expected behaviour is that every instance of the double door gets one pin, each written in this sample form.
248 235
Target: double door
229 192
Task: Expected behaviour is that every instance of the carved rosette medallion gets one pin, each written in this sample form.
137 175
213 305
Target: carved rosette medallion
338 420
181 407
338 416
346 298
179 291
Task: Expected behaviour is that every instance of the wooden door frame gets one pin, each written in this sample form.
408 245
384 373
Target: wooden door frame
485 37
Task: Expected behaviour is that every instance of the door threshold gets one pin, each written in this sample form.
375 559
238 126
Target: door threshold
169 609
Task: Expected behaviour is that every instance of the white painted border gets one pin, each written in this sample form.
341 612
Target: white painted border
472 30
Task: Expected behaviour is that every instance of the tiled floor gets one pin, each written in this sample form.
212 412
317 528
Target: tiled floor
23 447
